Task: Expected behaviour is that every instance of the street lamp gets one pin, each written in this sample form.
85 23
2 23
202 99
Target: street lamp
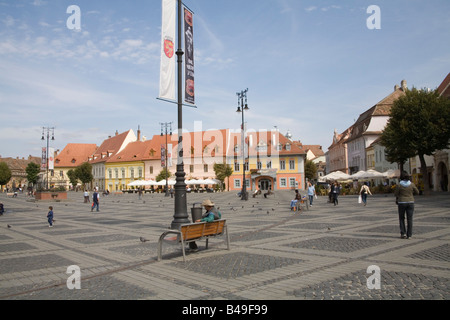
52 129
241 95
166 125
180 215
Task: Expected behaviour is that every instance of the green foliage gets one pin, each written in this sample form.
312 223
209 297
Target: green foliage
72 177
5 173
164 174
419 125
310 169
222 171
32 171
84 173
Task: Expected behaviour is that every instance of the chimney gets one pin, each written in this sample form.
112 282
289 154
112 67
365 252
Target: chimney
396 87
404 86
139 134
117 133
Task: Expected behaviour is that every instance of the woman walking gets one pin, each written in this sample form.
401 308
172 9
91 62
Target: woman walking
404 193
364 191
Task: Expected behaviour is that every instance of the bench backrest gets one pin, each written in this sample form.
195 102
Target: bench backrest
202 229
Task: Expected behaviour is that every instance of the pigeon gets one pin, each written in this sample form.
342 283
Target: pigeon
143 239
9 226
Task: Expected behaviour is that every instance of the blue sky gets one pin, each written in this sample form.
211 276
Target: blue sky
310 66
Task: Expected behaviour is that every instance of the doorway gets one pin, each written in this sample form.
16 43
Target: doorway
265 184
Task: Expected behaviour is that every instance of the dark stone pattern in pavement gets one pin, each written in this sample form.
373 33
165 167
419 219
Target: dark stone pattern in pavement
15 247
394 286
234 265
103 238
98 288
340 244
441 253
34 262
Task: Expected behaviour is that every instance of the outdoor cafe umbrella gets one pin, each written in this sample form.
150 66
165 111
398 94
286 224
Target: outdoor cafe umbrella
336 175
369 174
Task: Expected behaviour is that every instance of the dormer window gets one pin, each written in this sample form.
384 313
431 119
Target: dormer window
236 148
288 146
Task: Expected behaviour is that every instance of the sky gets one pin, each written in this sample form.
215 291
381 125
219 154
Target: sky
310 66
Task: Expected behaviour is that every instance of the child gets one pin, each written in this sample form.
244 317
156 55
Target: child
50 217
1 209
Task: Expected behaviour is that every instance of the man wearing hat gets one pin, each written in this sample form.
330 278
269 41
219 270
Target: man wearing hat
210 215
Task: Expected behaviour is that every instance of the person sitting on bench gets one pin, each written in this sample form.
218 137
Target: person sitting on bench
210 215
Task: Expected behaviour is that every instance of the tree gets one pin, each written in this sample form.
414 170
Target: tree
33 171
5 174
310 170
419 125
72 177
222 171
84 173
164 174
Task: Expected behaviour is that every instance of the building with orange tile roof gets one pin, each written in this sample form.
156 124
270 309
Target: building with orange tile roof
73 155
109 147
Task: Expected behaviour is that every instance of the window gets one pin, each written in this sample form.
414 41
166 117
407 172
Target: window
191 168
269 164
236 166
132 173
292 182
259 165
110 174
140 172
116 172
279 147
151 169
288 147
237 183
291 165
282 164
123 173
205 168
283 182
246 166
236 148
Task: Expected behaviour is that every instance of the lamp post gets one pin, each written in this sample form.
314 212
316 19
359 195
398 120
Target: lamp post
52 129
181 215
241 95
165 126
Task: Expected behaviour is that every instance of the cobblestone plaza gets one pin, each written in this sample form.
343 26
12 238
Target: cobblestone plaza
276 254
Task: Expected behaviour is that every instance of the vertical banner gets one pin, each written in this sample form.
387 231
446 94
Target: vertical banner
169 155
44 159
163 156
51 158
167 71
189 64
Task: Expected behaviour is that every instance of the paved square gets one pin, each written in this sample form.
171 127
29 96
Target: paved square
276 254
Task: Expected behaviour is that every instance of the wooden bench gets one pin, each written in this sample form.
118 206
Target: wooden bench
193 232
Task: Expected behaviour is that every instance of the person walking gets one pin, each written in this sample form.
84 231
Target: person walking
311 193
335 192
50 217
404 193
363 192
95 199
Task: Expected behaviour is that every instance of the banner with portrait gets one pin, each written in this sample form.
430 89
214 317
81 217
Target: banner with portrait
189 92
